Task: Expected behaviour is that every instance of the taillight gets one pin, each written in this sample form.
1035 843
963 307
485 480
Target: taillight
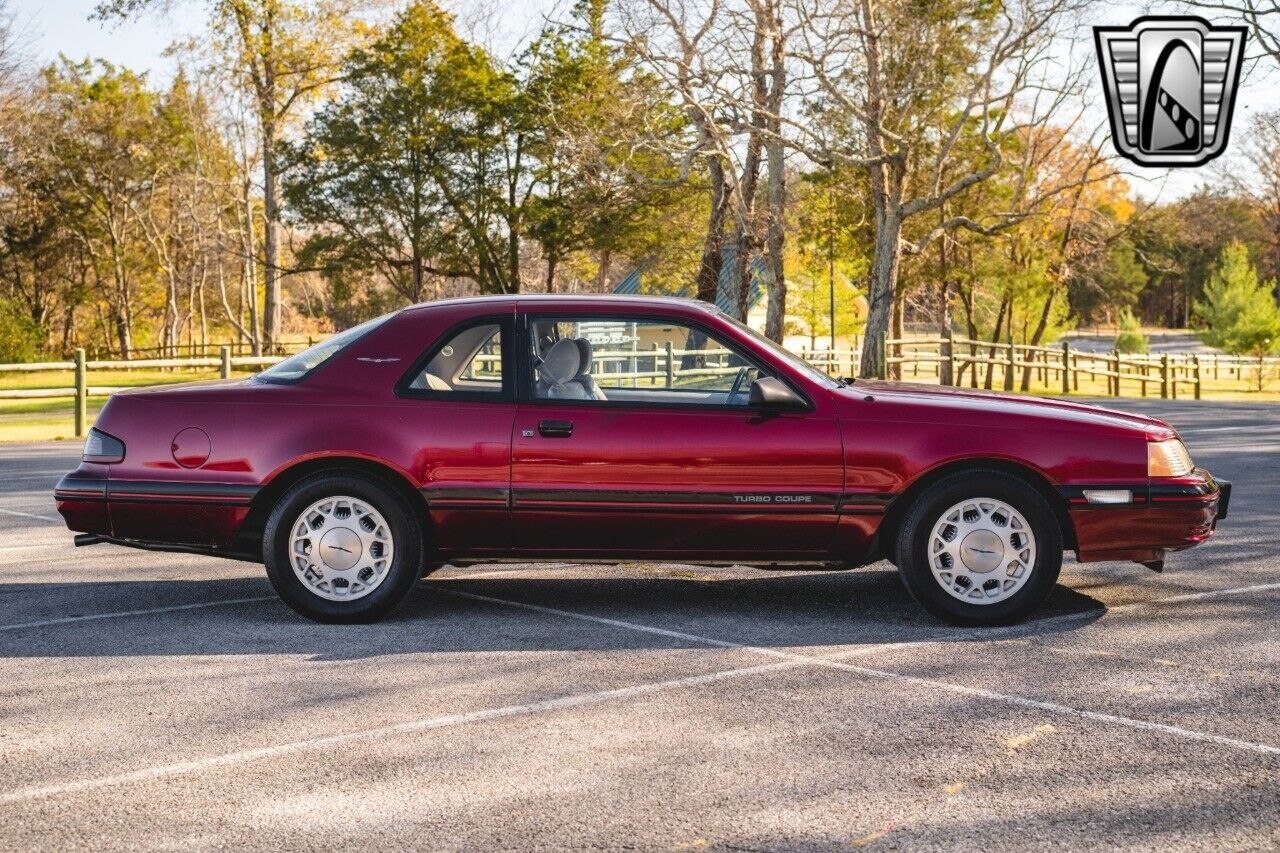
101 447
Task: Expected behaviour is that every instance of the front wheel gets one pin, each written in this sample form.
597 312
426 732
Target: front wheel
979 548
342 547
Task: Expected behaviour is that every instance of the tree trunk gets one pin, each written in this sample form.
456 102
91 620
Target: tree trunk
1005 305
271 239
1041 327
775 240
708 279
884 276
418 275
602 271
551 274
897 331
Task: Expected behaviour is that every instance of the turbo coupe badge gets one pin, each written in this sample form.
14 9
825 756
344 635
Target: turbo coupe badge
1170 85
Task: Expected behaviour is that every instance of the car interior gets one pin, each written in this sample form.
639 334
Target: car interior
568 366
629 364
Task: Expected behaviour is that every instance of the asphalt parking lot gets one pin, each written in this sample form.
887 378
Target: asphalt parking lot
157 700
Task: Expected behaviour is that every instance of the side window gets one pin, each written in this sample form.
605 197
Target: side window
637 361
470 361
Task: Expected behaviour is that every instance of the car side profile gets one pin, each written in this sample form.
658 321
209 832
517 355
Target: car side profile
610 428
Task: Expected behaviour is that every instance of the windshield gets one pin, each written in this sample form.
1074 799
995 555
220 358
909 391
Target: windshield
785 354
295 367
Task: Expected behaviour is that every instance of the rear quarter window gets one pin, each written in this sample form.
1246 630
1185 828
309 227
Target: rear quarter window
295 368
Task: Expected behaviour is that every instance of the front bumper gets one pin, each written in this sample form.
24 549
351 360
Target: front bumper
1170 515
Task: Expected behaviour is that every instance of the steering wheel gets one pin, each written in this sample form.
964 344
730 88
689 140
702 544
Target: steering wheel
738 382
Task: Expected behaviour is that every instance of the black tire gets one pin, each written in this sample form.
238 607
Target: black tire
407 539
911 550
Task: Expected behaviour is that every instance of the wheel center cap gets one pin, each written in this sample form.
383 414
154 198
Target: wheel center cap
340 549
982 551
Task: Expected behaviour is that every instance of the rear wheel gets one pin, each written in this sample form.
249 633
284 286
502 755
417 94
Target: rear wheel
342 547
980 548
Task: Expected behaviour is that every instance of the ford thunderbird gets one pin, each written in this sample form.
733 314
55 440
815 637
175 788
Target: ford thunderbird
590 428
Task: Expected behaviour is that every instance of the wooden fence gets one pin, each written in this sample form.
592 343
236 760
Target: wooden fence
950 360
80 390
1061 369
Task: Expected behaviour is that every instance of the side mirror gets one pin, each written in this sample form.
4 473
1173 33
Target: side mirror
769 392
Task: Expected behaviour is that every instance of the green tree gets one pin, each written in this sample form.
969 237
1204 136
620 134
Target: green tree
595 190
408 172
19 335
1130 339
1239 312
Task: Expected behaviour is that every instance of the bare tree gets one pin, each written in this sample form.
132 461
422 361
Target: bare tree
928 104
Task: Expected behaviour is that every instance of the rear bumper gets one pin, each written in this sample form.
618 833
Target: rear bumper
1166 516
204 514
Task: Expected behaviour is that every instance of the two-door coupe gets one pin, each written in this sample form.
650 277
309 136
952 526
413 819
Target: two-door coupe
606 428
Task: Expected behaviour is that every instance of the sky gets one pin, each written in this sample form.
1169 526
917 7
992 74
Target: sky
63 26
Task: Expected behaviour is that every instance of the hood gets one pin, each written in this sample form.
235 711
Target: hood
966 406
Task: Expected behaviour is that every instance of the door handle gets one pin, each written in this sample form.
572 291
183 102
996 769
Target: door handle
555 429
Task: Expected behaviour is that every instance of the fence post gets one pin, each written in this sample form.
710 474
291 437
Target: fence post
948 377
1164 376
82 393
1195 363
882 369
671 367
1010 368
1066 368
225 353
1114 381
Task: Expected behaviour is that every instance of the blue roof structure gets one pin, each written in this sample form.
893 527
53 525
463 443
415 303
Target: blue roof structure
724 290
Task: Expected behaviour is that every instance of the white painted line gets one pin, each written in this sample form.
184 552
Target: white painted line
122 614
28 515
830 662
412 726
789 661
1197 596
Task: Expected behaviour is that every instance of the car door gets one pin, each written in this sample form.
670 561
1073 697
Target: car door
459 407
646 446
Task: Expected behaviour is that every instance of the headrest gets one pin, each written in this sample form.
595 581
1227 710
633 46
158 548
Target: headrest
584 352
561 362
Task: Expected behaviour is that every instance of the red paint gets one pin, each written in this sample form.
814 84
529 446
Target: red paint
620 485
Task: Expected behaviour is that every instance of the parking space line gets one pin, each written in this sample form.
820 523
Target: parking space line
122 614
421 725
28 515
902 678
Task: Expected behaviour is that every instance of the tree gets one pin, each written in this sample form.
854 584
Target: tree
20 337
405 172
286 53
595 189
107 157
1130 339
1240 313
903 85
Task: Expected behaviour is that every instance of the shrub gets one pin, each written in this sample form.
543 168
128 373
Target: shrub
1130 339
19 334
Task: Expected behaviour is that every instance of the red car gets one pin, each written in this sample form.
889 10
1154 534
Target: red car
606 428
